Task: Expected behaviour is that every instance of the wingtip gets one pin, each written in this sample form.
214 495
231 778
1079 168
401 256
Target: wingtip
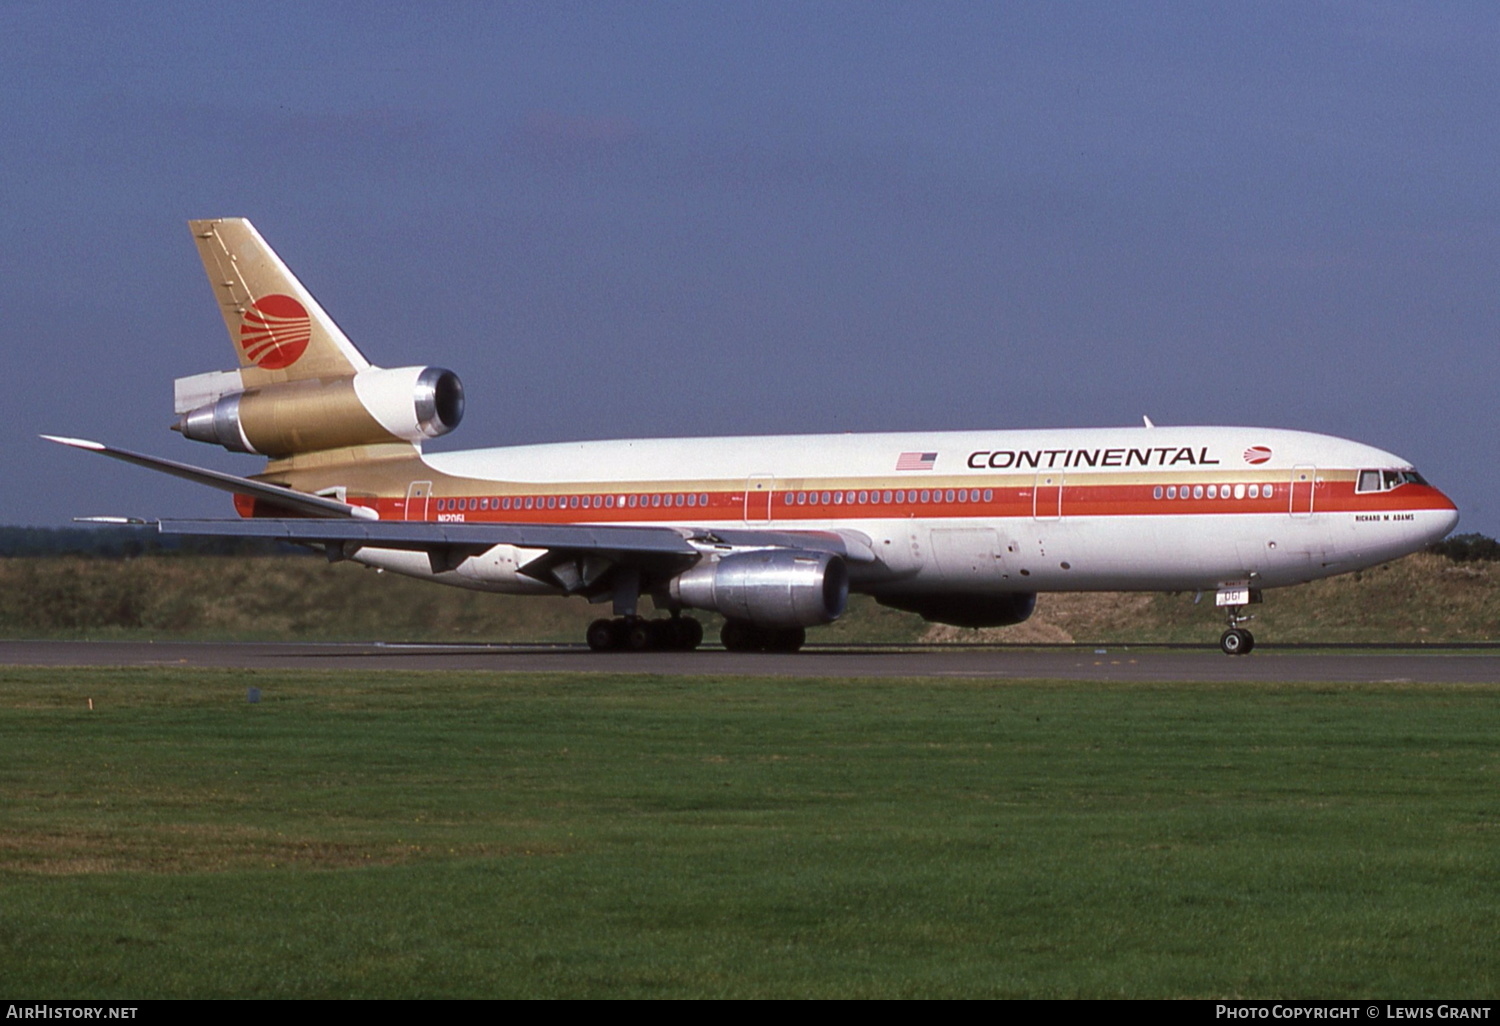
77 443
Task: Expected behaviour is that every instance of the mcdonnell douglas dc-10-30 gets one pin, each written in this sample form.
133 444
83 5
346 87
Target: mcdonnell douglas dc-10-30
772 533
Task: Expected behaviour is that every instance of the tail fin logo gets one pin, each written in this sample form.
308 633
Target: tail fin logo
275 331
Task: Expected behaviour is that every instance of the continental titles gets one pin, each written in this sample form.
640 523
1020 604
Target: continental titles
1049 459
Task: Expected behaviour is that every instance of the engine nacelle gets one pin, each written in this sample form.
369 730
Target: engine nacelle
966 610
376 405
768 587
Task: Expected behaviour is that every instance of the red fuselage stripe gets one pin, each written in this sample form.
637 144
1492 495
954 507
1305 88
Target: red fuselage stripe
1075 500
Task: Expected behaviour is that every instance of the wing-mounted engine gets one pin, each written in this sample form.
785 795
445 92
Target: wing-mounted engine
374 406
768 587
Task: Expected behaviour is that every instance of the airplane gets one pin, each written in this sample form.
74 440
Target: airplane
774 532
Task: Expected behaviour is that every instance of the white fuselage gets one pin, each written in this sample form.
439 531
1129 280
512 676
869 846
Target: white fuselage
1081 509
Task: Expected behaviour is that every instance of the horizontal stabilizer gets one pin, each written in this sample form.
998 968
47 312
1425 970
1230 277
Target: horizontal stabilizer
201 389
300 502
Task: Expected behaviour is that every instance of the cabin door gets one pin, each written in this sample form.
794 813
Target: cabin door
759 490
1047 495
416 500
1304 483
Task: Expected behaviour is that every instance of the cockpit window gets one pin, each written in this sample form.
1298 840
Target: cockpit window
1385 480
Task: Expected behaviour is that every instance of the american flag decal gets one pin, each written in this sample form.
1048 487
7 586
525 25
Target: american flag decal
916 461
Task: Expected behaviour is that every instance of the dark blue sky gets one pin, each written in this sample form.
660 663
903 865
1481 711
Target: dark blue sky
642 219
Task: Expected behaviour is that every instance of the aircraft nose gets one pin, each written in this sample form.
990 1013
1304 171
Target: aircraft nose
1443 521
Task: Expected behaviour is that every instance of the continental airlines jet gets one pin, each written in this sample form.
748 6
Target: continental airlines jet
773 533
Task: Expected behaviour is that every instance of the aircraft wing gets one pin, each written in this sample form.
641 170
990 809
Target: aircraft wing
575 557
653 549
667 550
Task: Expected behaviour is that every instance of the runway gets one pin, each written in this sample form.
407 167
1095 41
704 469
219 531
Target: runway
1137 664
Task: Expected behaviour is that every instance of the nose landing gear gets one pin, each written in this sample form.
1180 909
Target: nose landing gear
1233 599
1237 641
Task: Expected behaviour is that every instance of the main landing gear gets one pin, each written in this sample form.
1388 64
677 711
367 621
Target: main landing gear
637 634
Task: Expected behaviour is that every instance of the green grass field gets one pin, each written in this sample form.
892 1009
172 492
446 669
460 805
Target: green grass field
422 835
1421 599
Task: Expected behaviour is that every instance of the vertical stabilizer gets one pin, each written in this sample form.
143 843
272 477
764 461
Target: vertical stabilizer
277 327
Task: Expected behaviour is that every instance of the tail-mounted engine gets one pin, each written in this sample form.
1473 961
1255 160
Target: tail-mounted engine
768 588
374 406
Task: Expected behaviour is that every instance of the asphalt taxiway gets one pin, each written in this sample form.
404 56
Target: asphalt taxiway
1269 663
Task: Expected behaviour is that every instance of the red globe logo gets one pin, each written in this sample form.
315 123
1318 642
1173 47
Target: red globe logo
275 331
1257 454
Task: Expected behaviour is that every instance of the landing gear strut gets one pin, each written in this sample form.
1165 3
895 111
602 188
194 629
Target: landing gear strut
637 634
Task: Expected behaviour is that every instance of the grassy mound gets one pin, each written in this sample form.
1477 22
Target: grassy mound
1421 599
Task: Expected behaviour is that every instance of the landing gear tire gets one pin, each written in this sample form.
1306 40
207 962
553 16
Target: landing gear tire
602 635
739 637
747 637
642 636
1237 641
789 639
682 634
686 633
